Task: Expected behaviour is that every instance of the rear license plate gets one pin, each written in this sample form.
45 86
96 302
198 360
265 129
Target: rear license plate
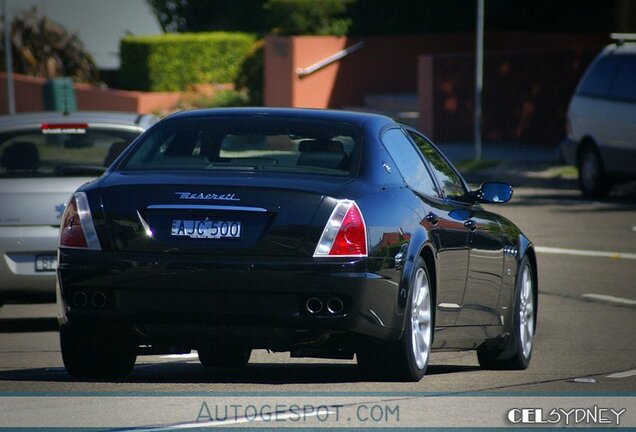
45 263
206 229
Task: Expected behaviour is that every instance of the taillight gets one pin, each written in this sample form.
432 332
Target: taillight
77 229
345 234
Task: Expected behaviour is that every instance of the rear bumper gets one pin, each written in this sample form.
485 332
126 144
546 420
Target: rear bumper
188 300
19 246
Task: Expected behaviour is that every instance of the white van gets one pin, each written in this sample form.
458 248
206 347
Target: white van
602 120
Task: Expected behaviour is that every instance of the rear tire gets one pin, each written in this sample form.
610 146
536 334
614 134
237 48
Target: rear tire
224 356
517 352
593 181
97 354
406 359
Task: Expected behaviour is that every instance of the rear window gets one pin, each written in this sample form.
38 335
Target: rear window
624 84
61 150
255 143
597 81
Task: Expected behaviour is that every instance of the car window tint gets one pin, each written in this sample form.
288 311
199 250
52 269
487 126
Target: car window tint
40 152
597 80
292 145
409 162
624 84
448 178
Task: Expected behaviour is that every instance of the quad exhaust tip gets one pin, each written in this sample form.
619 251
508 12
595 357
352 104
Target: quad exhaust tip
335 305
313 305
332 306
98 299
80 299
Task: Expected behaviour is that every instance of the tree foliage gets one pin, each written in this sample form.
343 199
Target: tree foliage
371 17
308 17
43 48
209 15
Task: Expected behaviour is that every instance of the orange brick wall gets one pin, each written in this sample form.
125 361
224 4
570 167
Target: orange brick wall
525 94
412 63
29 97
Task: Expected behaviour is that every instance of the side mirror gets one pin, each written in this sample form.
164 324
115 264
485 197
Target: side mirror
494 193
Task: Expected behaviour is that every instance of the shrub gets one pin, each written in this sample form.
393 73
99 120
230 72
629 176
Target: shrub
169 62
250 74
230 98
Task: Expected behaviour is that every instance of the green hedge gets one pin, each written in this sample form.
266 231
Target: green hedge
169 62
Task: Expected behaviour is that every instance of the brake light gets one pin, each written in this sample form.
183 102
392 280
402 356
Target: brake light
345 234
64 128
77 229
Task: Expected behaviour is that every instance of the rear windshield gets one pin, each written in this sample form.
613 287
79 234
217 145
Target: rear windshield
255 143
61 150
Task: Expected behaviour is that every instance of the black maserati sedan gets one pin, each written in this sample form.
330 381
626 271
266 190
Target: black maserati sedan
323 233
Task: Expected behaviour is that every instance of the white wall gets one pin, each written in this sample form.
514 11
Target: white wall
100 24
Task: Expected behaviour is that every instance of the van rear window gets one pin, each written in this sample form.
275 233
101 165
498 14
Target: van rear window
598 79
254 143
624 84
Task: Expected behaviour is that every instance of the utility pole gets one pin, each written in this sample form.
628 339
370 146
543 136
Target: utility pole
8 53
479 76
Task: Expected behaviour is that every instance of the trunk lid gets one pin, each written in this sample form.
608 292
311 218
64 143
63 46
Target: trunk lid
36 201
212 215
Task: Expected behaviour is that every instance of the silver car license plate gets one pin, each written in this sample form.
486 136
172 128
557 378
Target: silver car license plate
45 263
206 229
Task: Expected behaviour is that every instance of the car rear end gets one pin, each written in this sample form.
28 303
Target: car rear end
229 230
44 157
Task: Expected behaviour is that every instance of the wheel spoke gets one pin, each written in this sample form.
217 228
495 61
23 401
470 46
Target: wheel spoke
420 318
423 317
526 311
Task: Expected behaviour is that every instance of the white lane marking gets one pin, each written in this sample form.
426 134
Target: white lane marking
585 380
206 424
623 374
579 252
610 299
181 356
634 228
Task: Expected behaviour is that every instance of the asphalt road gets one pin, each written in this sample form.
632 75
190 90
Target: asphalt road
584 341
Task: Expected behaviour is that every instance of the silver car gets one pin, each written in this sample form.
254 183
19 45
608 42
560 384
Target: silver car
44 157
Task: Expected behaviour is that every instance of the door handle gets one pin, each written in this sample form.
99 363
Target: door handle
470 224
432 218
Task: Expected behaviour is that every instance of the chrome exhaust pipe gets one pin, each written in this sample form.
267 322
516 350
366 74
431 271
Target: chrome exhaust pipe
98 299
80 299
335 306
313 305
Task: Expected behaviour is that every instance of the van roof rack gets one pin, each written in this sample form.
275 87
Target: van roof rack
621 38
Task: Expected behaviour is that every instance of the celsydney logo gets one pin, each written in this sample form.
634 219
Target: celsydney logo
594 415
210 196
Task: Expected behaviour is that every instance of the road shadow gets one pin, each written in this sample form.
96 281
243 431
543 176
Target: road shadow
566 197
28 325
257 373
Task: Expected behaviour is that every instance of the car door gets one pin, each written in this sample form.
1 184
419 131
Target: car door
480 296
485 267
447 231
